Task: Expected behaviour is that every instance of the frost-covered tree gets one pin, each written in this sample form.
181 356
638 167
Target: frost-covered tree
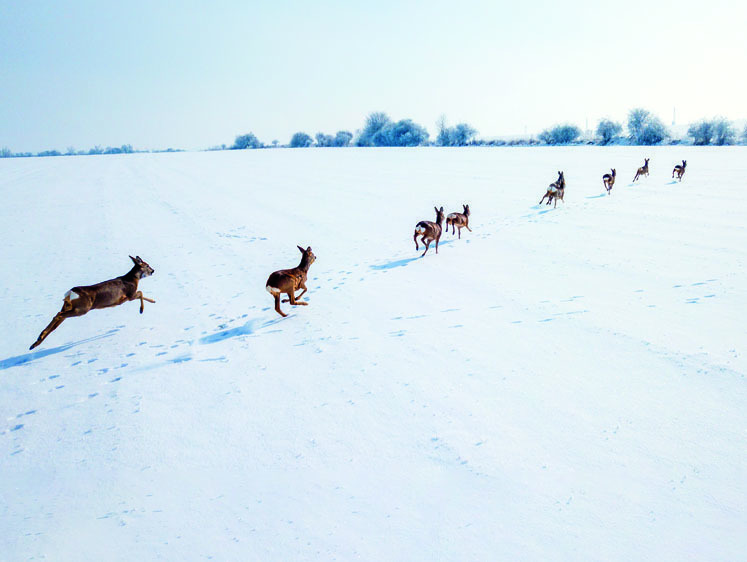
459 135
607 130
723 132
300 140
324 140
401 133
246 141
712 131
343 138
701 132
560 134
645 128
5 152
374 123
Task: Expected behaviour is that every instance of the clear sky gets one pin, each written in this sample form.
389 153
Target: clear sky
196 74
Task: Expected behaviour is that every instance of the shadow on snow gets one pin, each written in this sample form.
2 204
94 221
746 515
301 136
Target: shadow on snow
19 360
250 327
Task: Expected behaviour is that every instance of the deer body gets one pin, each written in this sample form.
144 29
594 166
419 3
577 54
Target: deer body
429 231
79 300
288 281
643 170
609 180
679 171
555 190
458 220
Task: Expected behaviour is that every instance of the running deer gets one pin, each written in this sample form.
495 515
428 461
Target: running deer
288 281
555 190
679 171
101 295
429 231
609 180
459 220
643 170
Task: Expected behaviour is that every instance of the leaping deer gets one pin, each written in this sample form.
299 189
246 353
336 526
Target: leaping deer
288 281
101 295
555 190
643 170
609 180
679 171
459 220
429 231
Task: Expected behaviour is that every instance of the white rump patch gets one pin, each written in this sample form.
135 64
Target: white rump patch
452 216
420 229
274 291
69 295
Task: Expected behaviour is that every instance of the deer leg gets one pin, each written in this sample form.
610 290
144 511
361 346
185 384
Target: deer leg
415 237
53 325
69 309
277 306
467 226
292 299
139 295
460 232
427 244
437 239
301 286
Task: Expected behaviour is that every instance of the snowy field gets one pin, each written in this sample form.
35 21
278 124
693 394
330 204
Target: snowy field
559 384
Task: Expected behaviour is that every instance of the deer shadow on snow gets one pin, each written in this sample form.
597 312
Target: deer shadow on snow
404 261
26 358
249 327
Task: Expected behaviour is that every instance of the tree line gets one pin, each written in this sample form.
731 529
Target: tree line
642 128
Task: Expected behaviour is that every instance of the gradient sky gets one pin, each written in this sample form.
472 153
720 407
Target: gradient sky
196 74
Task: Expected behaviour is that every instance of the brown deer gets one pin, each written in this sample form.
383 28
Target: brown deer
679 171
609 180
555 190
288 281
643 170
429 231
101 295
459 220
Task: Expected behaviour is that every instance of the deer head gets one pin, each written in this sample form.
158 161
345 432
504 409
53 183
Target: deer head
144 269
308 255
439 214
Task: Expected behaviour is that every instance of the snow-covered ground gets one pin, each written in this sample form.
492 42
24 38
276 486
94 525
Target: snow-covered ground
559 384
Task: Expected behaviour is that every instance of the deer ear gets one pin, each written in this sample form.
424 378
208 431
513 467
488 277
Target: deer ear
442 210
435 209
300 249
308 249
133 260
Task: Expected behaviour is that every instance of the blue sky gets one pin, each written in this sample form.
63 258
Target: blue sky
196 74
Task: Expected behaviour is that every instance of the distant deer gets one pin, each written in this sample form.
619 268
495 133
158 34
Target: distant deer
459 220
679 171
429 231
643 170
609 180
555 190
102 295
288 281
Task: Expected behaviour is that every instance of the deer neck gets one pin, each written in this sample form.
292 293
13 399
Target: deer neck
305 264
134 275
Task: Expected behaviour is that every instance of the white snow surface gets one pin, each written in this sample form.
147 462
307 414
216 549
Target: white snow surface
560 384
